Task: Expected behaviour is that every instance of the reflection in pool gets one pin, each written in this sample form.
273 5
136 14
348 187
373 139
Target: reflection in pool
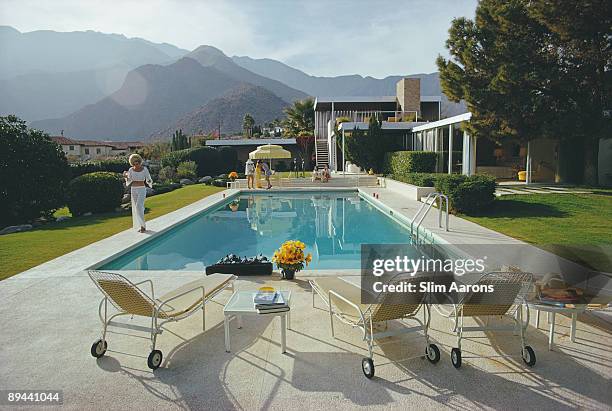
333 225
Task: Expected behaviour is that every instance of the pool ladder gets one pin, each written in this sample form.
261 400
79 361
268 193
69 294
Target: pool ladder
424 209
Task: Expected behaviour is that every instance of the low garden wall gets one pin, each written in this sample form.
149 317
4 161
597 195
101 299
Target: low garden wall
411 191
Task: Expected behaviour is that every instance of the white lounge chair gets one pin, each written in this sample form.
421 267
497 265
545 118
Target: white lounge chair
343 300
509 296
129 299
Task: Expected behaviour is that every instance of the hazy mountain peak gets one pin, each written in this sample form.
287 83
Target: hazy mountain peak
208 55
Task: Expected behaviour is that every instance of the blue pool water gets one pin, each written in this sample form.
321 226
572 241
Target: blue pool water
333 225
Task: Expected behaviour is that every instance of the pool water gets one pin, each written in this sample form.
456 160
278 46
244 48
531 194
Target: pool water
333 225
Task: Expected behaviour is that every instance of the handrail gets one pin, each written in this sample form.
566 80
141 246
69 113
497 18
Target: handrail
424 209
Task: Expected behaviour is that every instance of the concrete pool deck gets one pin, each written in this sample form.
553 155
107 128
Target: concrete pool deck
49 321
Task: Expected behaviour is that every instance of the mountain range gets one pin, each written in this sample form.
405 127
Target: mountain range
93 85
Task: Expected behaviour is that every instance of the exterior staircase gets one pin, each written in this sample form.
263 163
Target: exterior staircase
322 153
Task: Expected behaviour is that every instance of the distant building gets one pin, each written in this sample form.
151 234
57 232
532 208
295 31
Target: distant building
275 131
83 150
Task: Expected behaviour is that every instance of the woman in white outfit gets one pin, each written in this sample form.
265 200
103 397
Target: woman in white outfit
138 178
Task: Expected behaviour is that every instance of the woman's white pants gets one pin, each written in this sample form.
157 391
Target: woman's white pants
138 207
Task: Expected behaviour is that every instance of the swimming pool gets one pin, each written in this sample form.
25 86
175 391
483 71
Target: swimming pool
332 224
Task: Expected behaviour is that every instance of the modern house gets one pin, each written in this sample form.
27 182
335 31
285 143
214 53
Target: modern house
83 150
416 121
398 113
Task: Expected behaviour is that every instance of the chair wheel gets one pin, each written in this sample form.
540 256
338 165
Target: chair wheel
456 357
367 366
98 348
432 353
155 359
529 356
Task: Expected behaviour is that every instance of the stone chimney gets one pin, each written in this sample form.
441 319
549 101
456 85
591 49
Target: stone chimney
409 94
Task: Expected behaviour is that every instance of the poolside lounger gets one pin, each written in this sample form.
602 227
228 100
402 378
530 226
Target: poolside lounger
509 296
343 300
176 305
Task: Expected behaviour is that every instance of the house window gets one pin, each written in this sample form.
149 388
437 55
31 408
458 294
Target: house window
98 151
86 151
71 148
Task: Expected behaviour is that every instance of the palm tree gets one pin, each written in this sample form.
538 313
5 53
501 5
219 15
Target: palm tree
300 118
247 125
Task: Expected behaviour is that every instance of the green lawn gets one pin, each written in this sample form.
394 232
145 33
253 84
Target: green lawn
575 226
21 251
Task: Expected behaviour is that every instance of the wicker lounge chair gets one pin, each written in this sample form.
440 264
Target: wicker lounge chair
343 300
510 292
176 305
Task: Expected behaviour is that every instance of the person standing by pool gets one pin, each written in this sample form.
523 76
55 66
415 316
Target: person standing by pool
249 171
258 174
267 173
138 178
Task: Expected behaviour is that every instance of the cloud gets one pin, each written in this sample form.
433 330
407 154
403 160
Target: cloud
377 38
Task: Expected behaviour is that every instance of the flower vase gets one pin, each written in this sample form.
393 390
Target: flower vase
288 274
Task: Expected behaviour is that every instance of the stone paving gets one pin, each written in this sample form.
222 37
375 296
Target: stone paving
48 317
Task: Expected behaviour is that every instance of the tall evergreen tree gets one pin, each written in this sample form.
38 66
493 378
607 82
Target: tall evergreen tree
179 141
497 65
532 69
247 125
580 36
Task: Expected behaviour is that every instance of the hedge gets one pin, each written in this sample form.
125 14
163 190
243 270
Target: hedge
209 160
165 188
118 165
404 162
417 179
94 192
467 194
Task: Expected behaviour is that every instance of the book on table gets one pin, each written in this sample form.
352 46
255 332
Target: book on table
268 302
274 310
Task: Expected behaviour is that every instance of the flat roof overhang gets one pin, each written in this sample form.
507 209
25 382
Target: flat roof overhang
252 142
444 122
386 125
364 103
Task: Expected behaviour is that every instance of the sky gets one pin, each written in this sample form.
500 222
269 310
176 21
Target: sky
326 38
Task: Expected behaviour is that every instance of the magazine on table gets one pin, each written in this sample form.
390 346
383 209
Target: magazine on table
267 299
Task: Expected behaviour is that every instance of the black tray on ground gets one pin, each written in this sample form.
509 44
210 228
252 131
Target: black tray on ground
241 269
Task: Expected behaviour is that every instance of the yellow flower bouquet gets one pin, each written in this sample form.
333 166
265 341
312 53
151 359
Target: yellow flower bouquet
233 175
290 258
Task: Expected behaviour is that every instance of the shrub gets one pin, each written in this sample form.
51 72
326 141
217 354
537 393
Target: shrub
174 158
467 194
164 188
281 166
187 169
95 192
417 179
367 149
207 159
404 162
167 174
228 159
220 182
115 165
86 167
33 173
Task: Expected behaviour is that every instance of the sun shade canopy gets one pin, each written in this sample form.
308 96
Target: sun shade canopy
269 151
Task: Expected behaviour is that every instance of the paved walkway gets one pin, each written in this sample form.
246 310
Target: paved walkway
48 317
510 189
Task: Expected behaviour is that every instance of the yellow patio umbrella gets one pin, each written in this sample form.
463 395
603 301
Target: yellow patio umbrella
269 151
